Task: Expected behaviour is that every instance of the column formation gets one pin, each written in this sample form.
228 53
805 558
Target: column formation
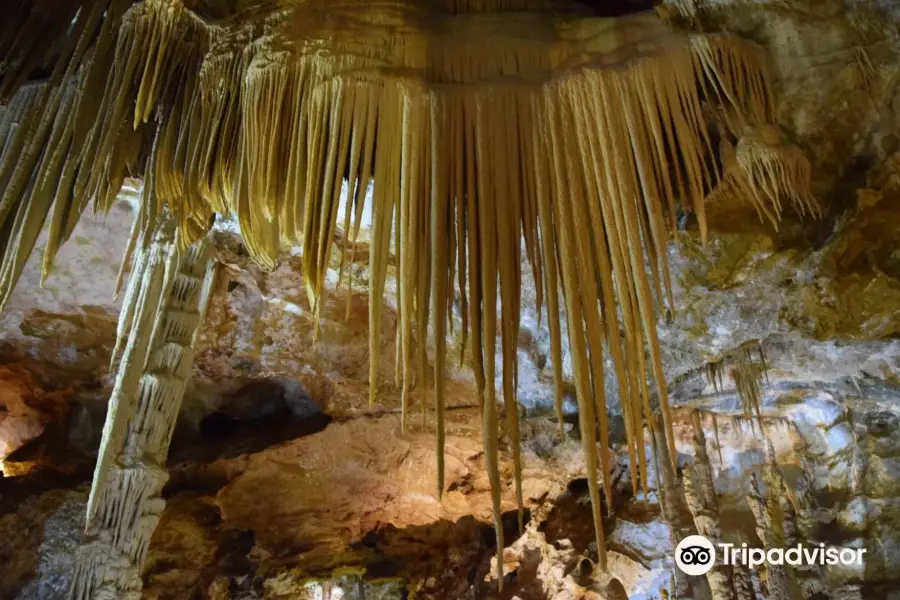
767 528
671 499
704 506
166 302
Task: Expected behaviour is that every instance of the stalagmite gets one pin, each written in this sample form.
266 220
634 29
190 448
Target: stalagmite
671 500
701 499
743 584
785 514
478 123
615 590
780 508
768 528
809 522
168 295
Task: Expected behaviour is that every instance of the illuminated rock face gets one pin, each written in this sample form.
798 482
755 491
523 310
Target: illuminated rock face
27 411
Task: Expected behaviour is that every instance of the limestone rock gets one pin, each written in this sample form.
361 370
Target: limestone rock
26 410
39 541
646 542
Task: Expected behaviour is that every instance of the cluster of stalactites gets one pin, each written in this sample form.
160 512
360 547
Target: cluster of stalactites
26 29
73 138
765 171
579 136
747 376
690 11
746 367
759 166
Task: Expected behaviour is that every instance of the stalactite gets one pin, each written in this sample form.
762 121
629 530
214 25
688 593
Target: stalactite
737 425
27 26
483 126
714 372
713 419
694 9
747 376
764 170
751 352
168 295
701 500
746 380
866 71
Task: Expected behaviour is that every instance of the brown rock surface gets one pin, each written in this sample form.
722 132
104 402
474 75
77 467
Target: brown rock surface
27 410
359 493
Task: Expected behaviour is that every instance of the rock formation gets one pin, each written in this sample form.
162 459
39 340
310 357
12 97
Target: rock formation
166 303
701 500
278 144
426 196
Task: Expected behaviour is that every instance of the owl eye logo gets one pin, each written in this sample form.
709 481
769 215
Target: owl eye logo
695 555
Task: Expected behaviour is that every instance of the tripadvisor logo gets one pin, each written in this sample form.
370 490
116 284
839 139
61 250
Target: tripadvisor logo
696 555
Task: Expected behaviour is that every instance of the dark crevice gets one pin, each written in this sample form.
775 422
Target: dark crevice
259 415
572 519
616 8
389 552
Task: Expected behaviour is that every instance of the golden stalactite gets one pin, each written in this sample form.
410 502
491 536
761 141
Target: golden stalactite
765 171
714 425
743 94
578 135
747 375
746 378
714 372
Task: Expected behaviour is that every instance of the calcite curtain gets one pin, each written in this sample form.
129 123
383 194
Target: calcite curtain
478 124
